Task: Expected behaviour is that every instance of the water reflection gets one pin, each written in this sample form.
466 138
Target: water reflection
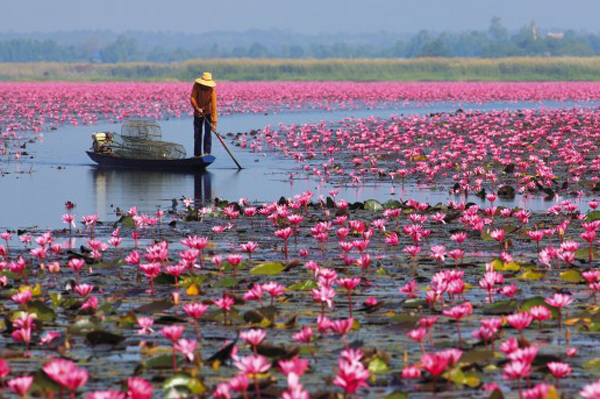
152 188
203 187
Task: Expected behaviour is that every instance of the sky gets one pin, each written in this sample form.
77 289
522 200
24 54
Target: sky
304 16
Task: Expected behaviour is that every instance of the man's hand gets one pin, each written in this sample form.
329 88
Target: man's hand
214 127
199 111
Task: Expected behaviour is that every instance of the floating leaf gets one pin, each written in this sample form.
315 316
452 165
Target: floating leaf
530 275
127 222
507 267
373 205
593 364
503 307
223 354
267 268
392 204
397 395
182 380
103 337
83 326
477 356
226 282
378 366
192 289
41 382
165 279
253 316
305 285
584 254
36 290
42 310
571 276
57 299
414 303
154 307
161 362
592 216
198 280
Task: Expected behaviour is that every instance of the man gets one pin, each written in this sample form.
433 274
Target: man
204 101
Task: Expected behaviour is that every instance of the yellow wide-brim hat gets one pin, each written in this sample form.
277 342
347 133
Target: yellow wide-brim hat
206 80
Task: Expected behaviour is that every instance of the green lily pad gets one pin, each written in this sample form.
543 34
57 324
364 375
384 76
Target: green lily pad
161 362
378 366
584 254
42 310
267 268
127 222
373 205
164 279
392 204
103 337
83 326
226 282
397 395
571 276
305 285
530 275
593 364
592 216
502 307
182 380
482 357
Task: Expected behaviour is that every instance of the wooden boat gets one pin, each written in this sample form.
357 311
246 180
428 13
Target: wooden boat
188 164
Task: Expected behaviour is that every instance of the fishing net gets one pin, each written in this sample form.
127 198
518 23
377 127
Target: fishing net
138 140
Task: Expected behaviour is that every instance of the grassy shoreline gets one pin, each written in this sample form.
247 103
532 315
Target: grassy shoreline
421 69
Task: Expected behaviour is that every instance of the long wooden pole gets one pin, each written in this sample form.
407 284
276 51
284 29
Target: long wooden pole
223 142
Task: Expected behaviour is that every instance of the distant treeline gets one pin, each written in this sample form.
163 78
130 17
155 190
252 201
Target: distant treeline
421 69
107 47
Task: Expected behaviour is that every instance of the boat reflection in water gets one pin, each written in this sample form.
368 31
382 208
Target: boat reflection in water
148 190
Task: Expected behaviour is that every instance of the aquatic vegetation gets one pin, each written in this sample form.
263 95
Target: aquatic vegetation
493 154
192 352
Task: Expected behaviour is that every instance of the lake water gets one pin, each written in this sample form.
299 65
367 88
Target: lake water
35 190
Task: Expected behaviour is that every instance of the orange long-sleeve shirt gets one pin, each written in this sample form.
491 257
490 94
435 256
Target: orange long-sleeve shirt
205 100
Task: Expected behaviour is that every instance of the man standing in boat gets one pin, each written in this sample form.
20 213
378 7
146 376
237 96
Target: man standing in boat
204 101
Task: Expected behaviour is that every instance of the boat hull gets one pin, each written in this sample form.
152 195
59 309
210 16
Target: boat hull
191 164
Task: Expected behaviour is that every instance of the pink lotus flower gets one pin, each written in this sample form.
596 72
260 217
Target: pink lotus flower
342 327
296 365
145 323
139 388
351 376
253 338
559 370
225 303
20 385
559 301
418 335
253 365
540 391
520 321
172 332
66 373
324 295
235 260
83 289
411 372
186 347
4 368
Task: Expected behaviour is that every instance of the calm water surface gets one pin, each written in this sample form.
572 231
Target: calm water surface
35 190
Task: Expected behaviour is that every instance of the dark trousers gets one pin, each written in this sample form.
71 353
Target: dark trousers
198 123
